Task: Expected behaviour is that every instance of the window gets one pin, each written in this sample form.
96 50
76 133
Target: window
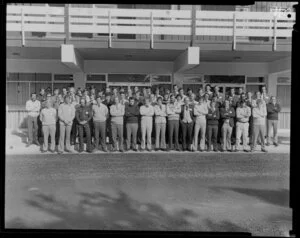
284 80
19 86
255 79
254 84
96 77
284 95
129 78
63 77
236 79
161 79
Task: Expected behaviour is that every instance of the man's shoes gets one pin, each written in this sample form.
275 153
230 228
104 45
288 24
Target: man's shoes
149 150
43 151
80 151
156 149
122 151
230 150
215 150
276 144
142 150
264 150
89 151
251 150
28 144
52 151
221 150
59 152
208 150
245 150
236 150
267 144
201 150
177 149
135 149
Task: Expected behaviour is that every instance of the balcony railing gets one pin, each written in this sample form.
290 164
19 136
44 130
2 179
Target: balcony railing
148 22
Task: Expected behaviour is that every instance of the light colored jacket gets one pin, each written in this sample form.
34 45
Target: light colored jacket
160 114
200 112
33 108
146 112
48 116
100 113
259 115
117 114
173 111
66 112
243 114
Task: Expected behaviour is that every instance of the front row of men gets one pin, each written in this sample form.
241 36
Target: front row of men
195 120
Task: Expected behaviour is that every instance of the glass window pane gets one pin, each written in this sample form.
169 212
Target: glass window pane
26 77
63 77
12 77
283 80
17 93
255 79
36 87
129 78
197 79
43 77
96 77
284 95
98 86
224 79
161 78
60 86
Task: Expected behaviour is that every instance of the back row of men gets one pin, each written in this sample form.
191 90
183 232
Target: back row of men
204 120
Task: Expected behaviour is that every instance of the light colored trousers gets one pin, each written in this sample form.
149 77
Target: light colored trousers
160 135
199 126
64 134
146 128
49 130
274 124
258 132
226 136
241 130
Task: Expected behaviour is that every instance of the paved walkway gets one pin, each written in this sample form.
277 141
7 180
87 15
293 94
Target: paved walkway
16 144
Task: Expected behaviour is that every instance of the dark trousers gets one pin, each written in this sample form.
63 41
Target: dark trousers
108 130
212 135
187 134
74 131
32 125
100 128
57 132
40 134
84 128
173 129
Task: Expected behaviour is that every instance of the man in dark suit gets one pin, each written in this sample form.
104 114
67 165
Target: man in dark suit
187 124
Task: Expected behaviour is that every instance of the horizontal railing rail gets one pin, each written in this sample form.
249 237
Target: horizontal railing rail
150 22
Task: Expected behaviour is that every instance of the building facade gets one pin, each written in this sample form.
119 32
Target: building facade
56 45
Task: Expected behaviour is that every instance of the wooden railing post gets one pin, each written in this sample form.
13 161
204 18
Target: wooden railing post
234 32
67 23
22 27
275 33
193 26
109 29
151 30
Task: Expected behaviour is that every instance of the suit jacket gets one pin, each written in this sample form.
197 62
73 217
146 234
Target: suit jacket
191 108
228 114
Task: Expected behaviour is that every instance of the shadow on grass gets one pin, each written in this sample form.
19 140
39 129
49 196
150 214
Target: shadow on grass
102 211
274 197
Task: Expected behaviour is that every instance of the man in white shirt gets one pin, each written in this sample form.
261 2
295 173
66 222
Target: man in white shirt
147 112
33 107
200 112
100 115
243 113
66 115
117 112
160 125
48 117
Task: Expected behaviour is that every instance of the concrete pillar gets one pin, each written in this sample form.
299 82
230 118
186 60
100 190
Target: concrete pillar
272 84
178 79
79 79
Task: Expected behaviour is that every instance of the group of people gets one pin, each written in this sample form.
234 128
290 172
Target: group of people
184 121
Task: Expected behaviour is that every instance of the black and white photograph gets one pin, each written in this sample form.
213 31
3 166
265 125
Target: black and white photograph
149 117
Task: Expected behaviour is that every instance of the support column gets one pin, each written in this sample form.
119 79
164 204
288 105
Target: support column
79 79
187 60
71 58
